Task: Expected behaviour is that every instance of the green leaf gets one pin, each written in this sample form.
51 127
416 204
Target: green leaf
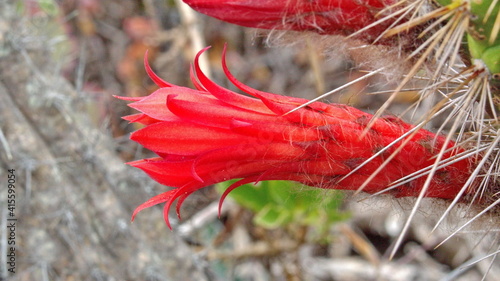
49 7
280 203
273 216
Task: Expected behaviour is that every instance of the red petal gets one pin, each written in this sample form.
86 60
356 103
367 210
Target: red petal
317 112
266 131
128 98
211 112
248 152
182 194
140 118
256 93
158 81
233 187
195 81
184 138
155 105
169 173
323 167
158 199
226 95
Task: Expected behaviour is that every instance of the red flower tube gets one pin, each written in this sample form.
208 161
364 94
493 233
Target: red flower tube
211 134
324 16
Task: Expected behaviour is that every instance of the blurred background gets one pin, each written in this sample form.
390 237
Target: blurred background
61 130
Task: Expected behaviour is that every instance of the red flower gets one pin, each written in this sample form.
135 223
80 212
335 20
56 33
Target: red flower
324 16
211 134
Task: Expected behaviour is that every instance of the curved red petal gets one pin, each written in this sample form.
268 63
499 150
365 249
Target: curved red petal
128 98
226 95
158 199
158 81
233 187
211 112
194 80
140 118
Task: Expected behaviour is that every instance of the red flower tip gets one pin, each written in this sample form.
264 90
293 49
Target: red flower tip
158 81
128 98
212 134
323 16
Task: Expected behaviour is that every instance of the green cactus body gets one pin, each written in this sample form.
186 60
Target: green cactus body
445 2
483 36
